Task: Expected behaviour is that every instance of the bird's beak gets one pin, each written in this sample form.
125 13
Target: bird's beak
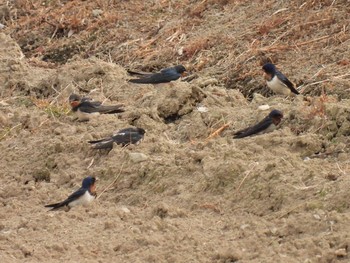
184 74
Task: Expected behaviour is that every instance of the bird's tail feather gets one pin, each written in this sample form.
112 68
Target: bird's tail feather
111 109
102 144
141 81
138 73
52 205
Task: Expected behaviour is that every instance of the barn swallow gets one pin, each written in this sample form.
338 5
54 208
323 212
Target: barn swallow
268 124
84 195
278 82
164 76
85 107
124 137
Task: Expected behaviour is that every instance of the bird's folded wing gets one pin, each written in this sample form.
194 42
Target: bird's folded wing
287 82
70 198
262 125
105 143
87 106
127 138
110 109
131 72
162 77
80 192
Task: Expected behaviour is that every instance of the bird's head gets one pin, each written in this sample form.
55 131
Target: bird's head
270 71
180 69
276 116
89 183
74 100
269 68
141 131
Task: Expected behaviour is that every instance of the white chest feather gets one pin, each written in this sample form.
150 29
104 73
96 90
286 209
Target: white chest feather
278 86
83 200
271 128
83 116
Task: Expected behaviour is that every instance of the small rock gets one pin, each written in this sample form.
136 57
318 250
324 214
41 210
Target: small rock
341 252
208 82
2 26
124 209
97 12
263 107
70 33
138 157
162 211
244 226
331 176
202 108
274 230
42 175
57 131
258 98
317 217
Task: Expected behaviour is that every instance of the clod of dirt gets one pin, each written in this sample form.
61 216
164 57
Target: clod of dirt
41 175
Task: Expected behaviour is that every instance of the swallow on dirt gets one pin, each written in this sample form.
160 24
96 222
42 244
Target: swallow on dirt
123 137
268 124
85 107
164 76
278 82
84 195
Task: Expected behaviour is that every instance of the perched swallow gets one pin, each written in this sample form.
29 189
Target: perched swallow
268 124
124 137
82 196
277 81
85 107
164 76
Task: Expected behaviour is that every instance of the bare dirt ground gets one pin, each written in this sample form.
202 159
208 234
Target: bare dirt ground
277 197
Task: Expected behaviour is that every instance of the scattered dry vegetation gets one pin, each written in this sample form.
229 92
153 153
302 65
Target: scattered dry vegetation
206 36
201 196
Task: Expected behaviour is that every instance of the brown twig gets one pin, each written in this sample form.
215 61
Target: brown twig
207 94
245 177
293 208
217 132
11 129
115 179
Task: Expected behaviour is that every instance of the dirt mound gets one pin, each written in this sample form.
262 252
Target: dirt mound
197 194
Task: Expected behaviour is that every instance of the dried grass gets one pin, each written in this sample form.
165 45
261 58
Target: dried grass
204 34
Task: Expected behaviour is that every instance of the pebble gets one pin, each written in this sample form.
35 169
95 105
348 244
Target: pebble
97 12
258 98
264 107
341 252
208 82
317 217
138 157
124 209
202 109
